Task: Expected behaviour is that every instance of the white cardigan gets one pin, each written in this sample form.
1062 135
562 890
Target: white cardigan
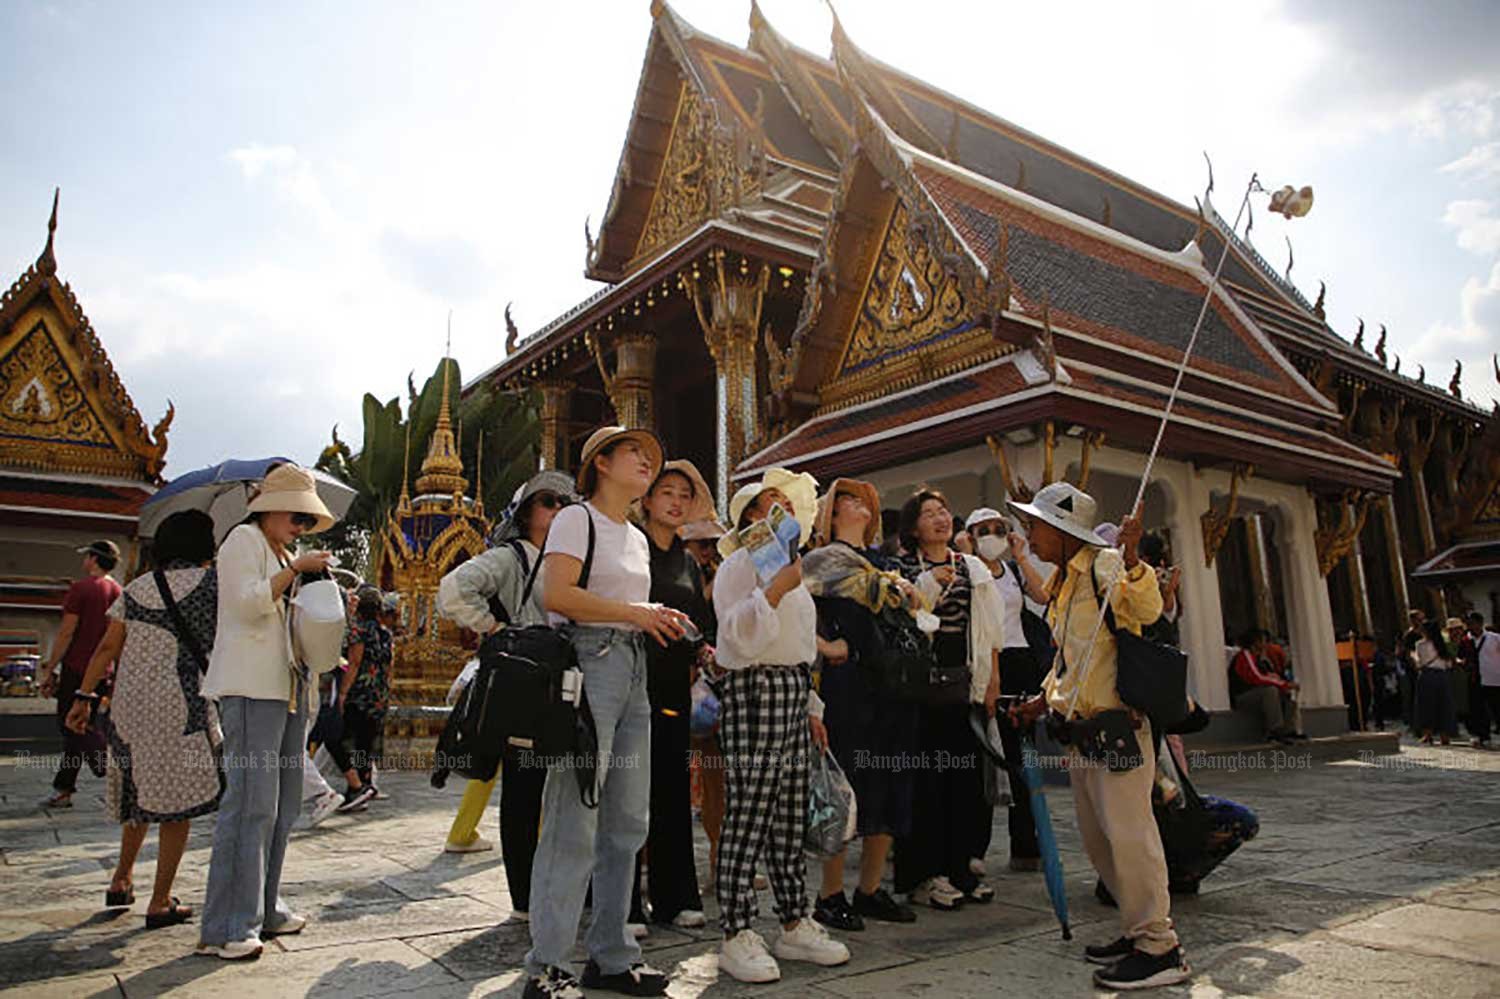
986 621
252 654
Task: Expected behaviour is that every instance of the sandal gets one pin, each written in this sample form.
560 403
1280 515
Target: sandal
171 917
118 899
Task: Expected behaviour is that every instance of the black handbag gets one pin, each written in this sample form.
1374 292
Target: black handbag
901 668
1038 633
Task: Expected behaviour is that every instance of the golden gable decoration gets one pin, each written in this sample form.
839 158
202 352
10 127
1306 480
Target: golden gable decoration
62 406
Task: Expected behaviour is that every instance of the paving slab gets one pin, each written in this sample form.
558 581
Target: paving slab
1438 931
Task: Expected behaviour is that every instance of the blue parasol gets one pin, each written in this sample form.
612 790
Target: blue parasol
1046 840
223 491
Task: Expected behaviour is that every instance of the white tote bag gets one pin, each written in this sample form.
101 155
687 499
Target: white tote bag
318 625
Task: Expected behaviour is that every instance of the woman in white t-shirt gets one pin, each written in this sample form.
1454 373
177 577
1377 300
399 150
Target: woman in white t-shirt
609 620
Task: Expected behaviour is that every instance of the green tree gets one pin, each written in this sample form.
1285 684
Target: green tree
507 421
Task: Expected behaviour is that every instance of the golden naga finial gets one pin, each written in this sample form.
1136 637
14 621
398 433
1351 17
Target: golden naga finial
1359 337
47 263
1380 345
1453 383
512 335
1495 360
1322 297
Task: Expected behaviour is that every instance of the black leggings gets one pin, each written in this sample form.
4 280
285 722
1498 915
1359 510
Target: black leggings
356 748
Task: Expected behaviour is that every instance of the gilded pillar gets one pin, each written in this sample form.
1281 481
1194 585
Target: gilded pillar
630 386
1260 573
728 308
1393 552
1359 590
556 398
1429 536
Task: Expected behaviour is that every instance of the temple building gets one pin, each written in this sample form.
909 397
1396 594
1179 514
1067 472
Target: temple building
857 273
76 459
425 538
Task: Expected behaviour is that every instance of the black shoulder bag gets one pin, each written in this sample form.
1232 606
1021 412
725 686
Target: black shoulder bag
519 698
1038 635
1150 676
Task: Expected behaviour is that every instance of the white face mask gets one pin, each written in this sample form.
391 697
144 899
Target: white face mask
993 548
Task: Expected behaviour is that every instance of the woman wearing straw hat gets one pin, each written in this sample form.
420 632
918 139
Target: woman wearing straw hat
679 496
609 621
767 642
853 588
471 595
263 696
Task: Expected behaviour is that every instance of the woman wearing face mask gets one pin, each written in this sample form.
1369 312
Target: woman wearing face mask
263 706
1016 578
678 496
767 641
933 864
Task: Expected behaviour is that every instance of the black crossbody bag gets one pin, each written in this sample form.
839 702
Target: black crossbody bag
1149 676
184 633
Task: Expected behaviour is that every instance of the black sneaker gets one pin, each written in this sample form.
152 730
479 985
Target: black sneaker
1139 970
355 801
1103 895
880 906
1108 953
835 911
554 983
640 980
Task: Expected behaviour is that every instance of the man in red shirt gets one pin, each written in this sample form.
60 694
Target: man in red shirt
83 624
1255 686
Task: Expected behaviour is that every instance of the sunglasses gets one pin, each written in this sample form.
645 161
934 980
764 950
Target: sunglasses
980 532
550 501
304 520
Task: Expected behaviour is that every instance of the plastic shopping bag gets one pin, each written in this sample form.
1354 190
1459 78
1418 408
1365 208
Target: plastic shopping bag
704 719
831 816
318 624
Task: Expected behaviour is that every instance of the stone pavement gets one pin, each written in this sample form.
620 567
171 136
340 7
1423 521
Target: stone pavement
1370 877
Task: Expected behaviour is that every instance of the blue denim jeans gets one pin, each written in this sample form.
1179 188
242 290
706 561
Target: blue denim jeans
264 744
579 843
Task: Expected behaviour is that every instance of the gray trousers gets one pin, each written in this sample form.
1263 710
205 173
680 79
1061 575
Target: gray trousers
264 745
1278 712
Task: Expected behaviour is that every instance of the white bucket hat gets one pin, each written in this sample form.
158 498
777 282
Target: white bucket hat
1065 507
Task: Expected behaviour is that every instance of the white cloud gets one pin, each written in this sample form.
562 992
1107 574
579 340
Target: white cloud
1480 163
1478 227
254 159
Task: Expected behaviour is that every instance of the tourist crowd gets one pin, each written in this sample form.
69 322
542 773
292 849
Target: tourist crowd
843 659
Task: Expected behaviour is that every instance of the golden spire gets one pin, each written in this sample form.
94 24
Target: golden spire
443 469
405 500
479 475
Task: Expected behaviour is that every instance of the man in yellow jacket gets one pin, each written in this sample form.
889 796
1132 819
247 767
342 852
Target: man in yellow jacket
1112 791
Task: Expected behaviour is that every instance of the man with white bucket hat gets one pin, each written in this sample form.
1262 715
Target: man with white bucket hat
1111 789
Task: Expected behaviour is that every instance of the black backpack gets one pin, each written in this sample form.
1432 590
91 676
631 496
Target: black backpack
518 698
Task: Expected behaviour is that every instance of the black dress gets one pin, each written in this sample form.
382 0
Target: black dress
672 874
874 738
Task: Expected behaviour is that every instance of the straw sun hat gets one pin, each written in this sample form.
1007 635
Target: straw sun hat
799 487
702 507
604 436
823 526
291 489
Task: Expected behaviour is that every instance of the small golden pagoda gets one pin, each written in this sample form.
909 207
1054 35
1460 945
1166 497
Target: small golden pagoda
425 538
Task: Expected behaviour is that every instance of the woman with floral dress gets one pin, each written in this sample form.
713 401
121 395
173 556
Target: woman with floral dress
163 734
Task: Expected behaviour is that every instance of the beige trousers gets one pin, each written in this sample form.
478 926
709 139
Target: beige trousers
1120 837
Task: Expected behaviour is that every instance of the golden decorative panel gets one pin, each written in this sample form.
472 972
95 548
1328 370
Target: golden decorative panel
910 300
40 398
708 168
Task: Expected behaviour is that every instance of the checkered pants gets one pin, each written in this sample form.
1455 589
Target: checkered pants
766 741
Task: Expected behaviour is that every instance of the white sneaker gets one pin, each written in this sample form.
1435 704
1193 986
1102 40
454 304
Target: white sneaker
234 950
761 884
638 930
744 957
690 919
520 915
938 893
291 924
478 845
976 867
810 942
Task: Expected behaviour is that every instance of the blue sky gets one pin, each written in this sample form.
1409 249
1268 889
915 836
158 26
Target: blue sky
269 209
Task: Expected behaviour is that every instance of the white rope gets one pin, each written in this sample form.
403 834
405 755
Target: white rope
1161 430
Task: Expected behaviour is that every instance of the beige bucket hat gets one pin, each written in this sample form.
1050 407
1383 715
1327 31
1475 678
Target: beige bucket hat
291 489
